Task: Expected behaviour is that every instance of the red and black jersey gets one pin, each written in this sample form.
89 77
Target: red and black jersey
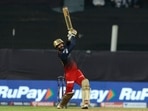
65 55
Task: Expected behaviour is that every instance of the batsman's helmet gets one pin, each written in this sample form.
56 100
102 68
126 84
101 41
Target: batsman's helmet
57 42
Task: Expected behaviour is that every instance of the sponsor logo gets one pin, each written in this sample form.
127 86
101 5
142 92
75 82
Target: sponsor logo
98 95
4 103
20 103
42 103
25 91
133 95
112 104
125 94
135 105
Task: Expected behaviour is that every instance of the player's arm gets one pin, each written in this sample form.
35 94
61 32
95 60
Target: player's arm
71 42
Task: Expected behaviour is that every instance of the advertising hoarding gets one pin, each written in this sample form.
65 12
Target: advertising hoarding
46 91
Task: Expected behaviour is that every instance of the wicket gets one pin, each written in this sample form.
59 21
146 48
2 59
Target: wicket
61 84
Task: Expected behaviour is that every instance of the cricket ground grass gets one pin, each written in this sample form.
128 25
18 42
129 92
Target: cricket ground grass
41 108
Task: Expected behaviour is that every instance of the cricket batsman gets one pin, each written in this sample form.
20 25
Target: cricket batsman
72 73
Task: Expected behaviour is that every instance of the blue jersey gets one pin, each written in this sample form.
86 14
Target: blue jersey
65 55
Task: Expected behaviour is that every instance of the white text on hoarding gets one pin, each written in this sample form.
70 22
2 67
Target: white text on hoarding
130 94
37 94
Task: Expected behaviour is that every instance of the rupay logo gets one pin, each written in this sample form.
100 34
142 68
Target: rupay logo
130 94
98 95
24 91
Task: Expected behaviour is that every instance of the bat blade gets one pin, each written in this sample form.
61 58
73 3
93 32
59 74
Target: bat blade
67 18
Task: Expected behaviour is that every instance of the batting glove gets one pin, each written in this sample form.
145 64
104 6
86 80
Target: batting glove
71 33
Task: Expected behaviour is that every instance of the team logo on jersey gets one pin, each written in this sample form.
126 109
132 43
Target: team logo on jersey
65 51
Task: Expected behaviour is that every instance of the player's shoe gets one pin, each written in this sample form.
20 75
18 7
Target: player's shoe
59 106
84 106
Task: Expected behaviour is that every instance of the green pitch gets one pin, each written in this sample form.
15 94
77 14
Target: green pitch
31 108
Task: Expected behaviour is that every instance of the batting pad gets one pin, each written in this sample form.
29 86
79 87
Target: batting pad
66 99
85 91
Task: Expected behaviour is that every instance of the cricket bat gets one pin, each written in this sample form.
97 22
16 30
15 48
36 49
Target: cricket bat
67 18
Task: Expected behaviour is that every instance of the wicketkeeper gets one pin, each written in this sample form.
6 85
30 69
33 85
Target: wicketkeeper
72 73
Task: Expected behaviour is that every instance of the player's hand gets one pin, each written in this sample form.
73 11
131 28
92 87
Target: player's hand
71 33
